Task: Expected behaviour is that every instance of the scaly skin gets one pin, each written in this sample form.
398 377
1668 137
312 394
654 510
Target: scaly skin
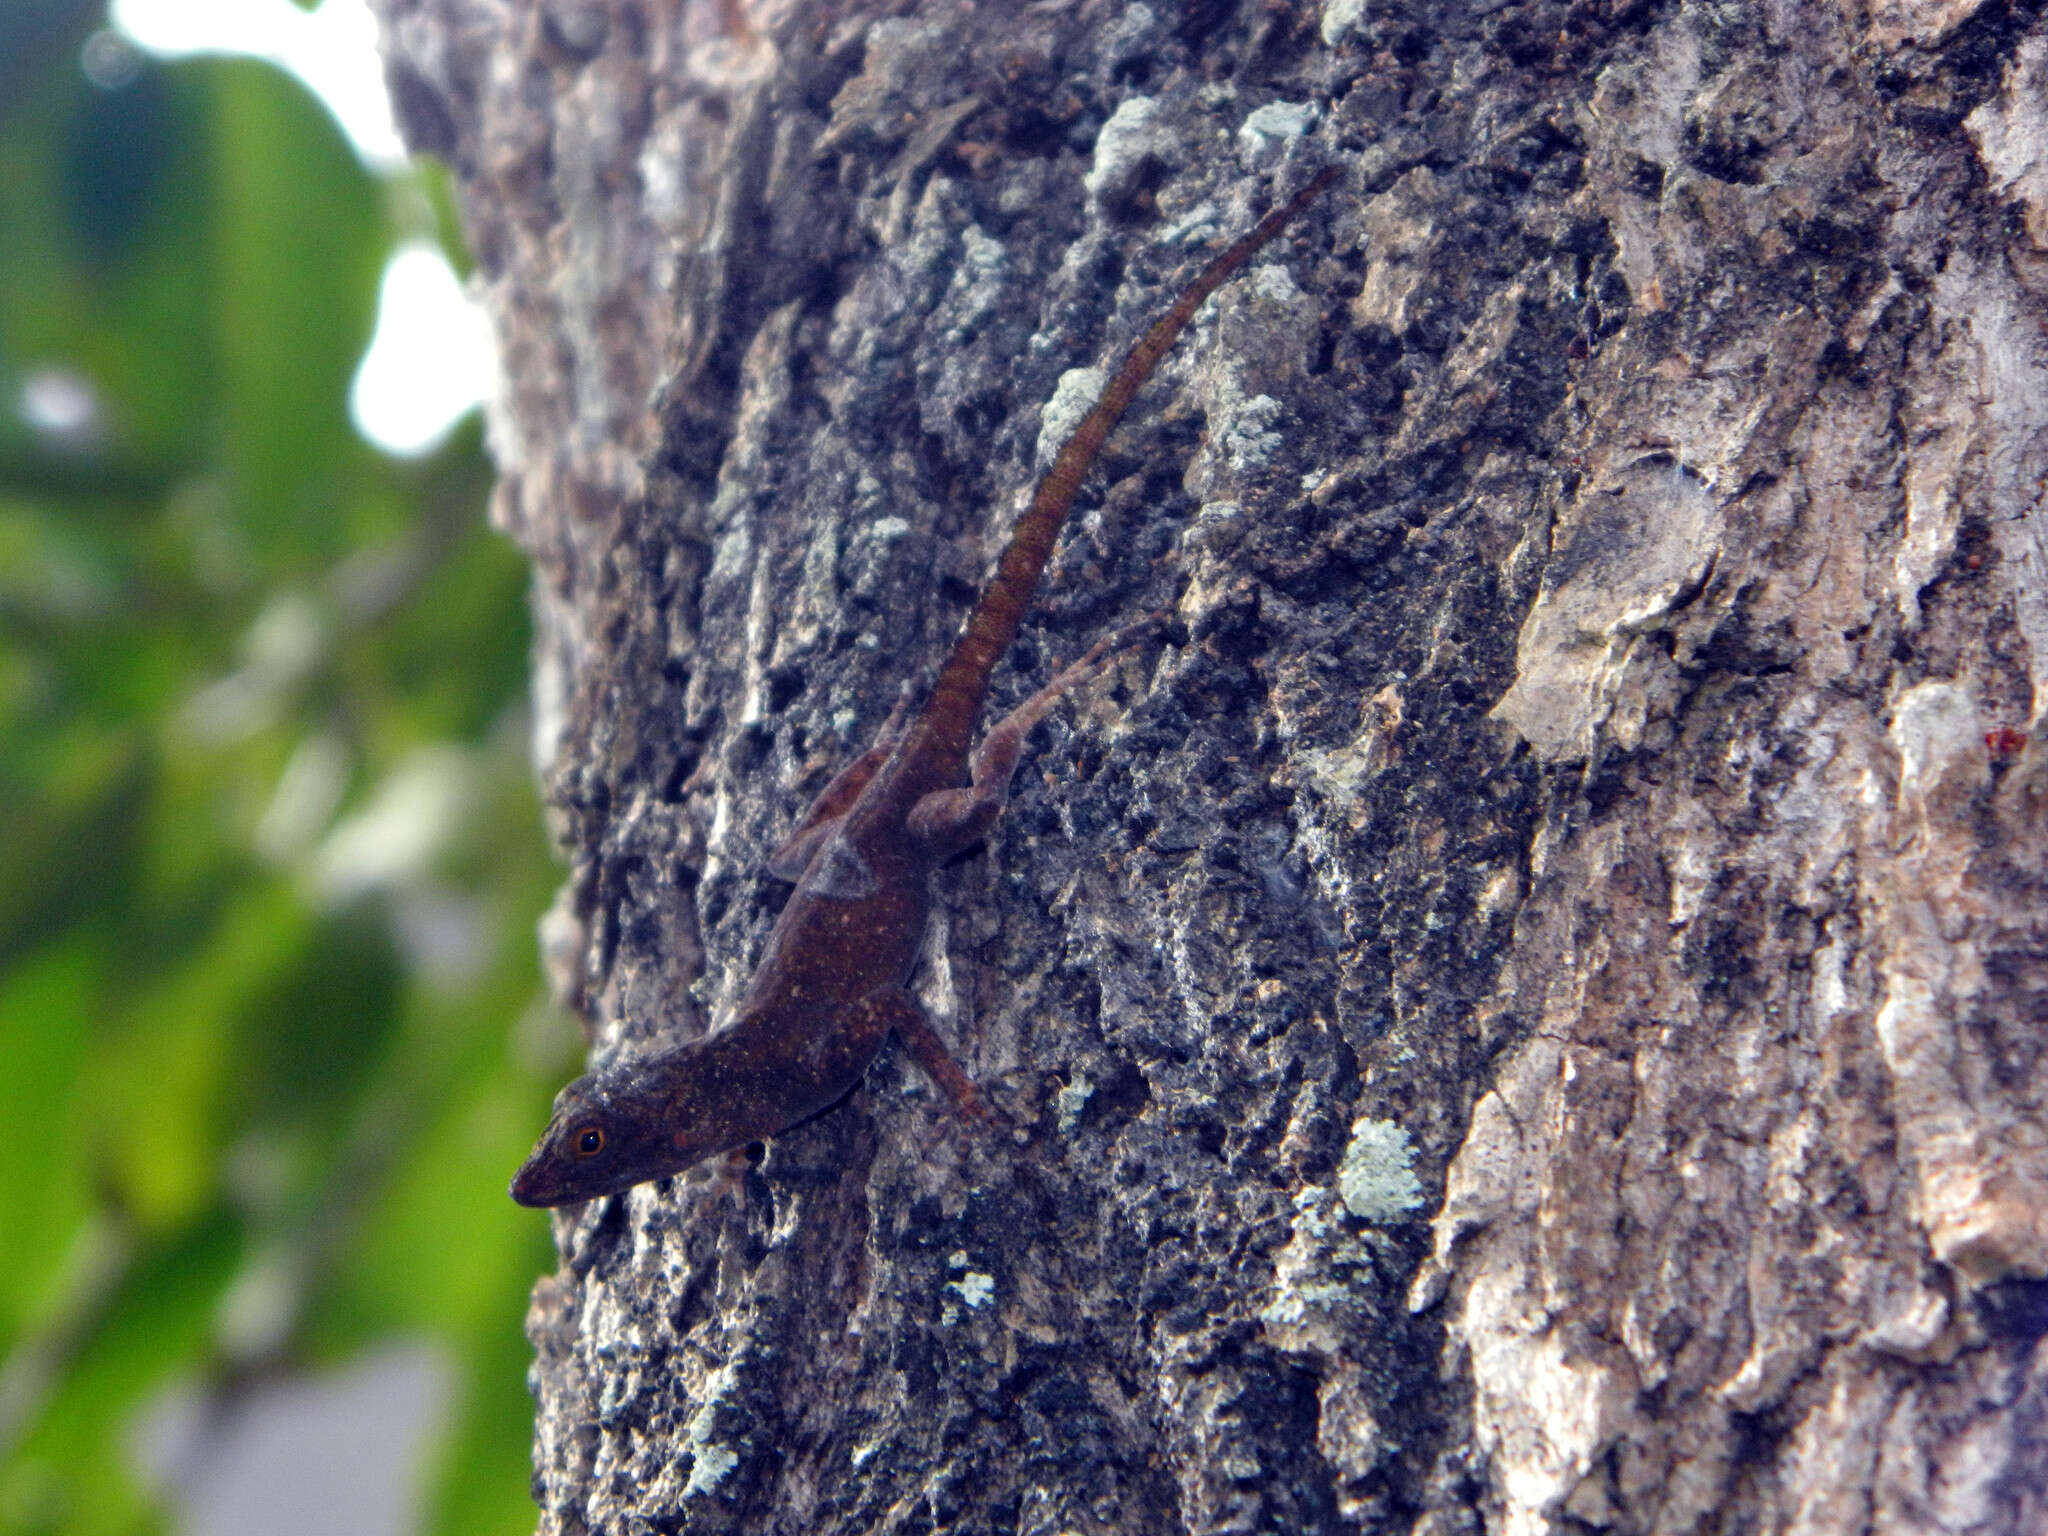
830 985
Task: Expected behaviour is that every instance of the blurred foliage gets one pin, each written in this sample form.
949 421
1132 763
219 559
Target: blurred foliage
269 855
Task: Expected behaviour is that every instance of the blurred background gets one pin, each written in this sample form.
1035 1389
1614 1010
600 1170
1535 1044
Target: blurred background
272 1033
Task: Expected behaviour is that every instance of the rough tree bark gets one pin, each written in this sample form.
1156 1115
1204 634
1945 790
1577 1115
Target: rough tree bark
1597 758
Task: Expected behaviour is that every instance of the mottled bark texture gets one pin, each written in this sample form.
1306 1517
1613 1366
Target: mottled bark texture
1596 755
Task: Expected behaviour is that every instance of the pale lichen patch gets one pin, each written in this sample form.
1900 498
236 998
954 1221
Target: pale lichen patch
974 1288
1377 1177
1341 17
1071 1101
711 1461
1132 136
1263 137
1072 398
1249 439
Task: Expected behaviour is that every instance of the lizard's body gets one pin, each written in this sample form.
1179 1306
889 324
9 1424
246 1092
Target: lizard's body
830 984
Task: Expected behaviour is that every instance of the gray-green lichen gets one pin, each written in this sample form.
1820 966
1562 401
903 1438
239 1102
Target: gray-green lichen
1263 137
1132 136
1340 17
1377 1179
1071 1101
710 1462
1071 399
1249 436
973 1286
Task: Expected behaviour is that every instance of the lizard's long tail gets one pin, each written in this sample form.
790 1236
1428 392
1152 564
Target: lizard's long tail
956 697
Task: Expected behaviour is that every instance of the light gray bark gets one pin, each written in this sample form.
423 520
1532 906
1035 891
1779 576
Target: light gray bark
1598 757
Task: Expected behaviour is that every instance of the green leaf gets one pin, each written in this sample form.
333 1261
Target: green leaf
73 1472
216 1076
166 1075
299 245
47 1005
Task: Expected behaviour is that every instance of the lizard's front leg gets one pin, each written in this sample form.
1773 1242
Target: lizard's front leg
895 1009
944 822
931 1054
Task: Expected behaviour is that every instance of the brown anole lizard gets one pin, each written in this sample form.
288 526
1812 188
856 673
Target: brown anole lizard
832 982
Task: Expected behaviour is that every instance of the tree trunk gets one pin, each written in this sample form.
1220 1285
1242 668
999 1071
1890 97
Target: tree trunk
1528 1006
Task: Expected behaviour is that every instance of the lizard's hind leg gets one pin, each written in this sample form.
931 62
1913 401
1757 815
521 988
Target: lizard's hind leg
951 819
794 856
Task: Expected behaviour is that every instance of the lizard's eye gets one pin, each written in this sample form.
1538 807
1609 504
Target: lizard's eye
589 1141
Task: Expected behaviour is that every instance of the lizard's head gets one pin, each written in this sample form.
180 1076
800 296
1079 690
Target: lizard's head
599 1141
